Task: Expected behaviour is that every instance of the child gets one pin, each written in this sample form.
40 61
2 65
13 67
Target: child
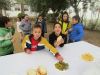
35 42
77 32
56 38
25 25
65 25
19 19
6 36
40 21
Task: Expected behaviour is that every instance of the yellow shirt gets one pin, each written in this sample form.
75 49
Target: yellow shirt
43 42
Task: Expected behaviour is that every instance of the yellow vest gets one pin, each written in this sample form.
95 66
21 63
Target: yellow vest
65 26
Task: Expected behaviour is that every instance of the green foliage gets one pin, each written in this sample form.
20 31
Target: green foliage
42 6
4 4
20 15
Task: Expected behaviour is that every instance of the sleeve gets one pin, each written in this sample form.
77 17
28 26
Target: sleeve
4 43
26 43
50 47
21 26
80 32
51 40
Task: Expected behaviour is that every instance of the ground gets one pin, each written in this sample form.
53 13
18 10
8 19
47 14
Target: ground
92 37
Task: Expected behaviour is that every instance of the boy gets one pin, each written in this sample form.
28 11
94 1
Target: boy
6 36
35 42
40 21
77 31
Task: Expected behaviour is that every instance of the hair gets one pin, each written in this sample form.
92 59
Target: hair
4 20
57 23
37 26
76 18
20 18
67 16
39 16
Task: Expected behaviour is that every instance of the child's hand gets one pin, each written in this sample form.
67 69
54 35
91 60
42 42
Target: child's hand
13 39
66 33
70 29
28 51
59 57
60 42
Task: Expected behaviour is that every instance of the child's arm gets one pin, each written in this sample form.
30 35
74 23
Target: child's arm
80 35
52 49
51 40
4 43
26 44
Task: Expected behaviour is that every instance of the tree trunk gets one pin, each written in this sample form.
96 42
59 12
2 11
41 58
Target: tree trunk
0 12
76 11
97 20
5 12
22 8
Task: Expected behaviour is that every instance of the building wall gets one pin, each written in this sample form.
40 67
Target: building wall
15 9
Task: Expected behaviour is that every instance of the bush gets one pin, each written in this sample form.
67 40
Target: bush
21 15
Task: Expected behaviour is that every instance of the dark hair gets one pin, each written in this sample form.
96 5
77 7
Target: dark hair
4 20
57 23
20 18
67 16
40 16
37 26
76 18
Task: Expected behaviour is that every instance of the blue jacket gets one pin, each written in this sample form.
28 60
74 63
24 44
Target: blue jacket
77 32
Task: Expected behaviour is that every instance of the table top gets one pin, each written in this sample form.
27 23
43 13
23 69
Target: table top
19 63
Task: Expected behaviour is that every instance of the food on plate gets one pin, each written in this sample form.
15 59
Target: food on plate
87 57
62 66
31 72
59 38
41 70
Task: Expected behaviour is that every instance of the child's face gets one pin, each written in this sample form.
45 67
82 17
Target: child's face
40 18
26 18
8 24
57 29
37 33
74 21
65 17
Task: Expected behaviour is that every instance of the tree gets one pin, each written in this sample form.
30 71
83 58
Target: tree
75 4
42 6
4 4
95 13
22 2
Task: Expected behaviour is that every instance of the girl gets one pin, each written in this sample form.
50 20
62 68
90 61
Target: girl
6 36
33 43
56 38
65 25
19 19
